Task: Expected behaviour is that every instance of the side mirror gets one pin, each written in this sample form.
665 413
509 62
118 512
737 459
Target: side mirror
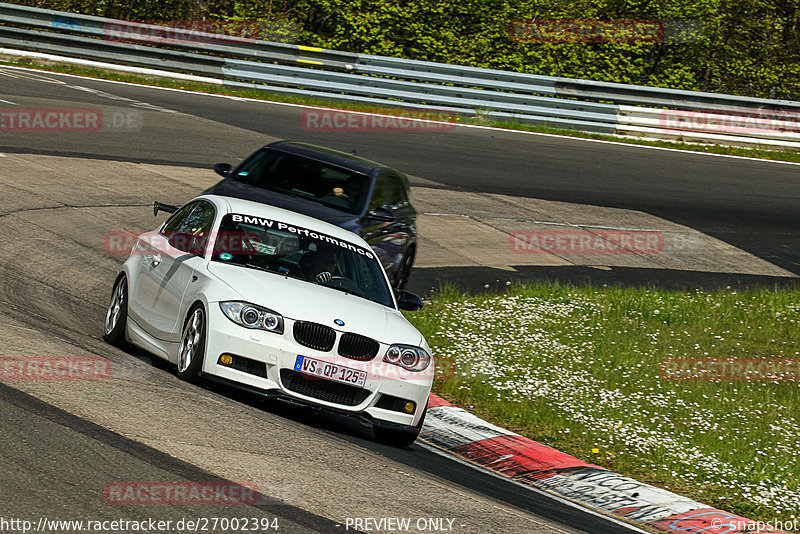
223 169
381 214
408 301
166 208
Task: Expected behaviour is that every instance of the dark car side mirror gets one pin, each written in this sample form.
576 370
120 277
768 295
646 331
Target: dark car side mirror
408 301
166 208
381 214
223 169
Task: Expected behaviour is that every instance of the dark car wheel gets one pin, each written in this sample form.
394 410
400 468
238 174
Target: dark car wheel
193 345
404 271
117 314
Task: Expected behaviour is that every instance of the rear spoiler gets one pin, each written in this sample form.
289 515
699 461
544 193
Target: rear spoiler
166 208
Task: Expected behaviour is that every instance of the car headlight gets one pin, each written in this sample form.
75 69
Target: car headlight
408 357
252 316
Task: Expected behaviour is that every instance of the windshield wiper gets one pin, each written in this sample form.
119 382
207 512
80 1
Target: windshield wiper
279 273
293 193
355 293
343 290
260 268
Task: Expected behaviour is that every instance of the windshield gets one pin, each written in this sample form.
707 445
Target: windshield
302 253
289 174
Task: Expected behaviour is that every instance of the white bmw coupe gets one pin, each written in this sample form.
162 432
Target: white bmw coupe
279 304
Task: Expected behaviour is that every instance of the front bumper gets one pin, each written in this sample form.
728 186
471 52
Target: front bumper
273 357
276 394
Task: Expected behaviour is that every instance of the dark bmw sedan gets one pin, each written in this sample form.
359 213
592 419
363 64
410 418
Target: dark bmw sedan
359 195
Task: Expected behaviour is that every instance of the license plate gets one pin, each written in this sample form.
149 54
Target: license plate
330 371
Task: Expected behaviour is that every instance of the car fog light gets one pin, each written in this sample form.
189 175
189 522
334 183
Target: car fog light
226 359
409 407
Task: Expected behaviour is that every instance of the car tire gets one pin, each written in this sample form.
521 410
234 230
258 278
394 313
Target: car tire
192 349
399 438
117 314
404 271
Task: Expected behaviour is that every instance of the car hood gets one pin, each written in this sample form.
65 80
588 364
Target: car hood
236 189
306 301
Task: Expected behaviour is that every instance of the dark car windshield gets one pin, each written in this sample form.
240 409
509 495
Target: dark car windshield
313 180
302 253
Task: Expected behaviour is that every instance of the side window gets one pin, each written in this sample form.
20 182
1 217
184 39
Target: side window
201 220
397 192
189 228
379 194
177 219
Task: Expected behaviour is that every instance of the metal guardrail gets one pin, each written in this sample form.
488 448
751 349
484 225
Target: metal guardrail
501 95
563 87
224 44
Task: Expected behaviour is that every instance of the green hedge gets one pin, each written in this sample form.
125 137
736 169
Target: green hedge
747 47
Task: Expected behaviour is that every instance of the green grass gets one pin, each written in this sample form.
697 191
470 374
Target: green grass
577 368
780 155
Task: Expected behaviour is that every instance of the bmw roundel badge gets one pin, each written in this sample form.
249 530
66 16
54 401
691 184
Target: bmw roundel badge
339 322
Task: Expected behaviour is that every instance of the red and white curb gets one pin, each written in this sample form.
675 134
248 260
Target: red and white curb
499 451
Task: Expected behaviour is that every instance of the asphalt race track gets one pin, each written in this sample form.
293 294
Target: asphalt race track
70 438
749 204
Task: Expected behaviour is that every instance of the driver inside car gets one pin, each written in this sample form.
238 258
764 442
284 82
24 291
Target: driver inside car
318 265
346 194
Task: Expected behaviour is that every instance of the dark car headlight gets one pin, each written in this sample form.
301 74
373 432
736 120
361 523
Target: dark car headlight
252 316
409 358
